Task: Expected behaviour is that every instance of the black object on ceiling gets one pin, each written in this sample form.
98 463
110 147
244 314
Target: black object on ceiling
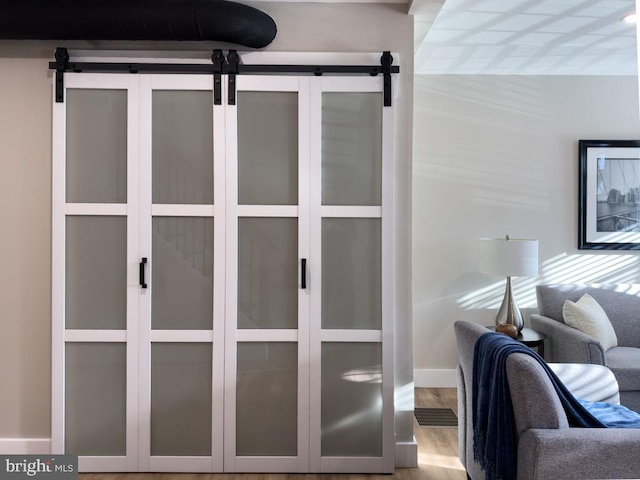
186 20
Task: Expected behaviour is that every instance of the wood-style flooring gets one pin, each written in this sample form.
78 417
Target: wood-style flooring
437 446
437 454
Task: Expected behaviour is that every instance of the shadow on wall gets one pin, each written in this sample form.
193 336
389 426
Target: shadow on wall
496 116
564 268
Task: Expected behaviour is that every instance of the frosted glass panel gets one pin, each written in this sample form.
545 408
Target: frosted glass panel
95 399
351 148
182 273
351 273
181 399
267 399
267 148
182 147
96 146
351 400
96 272
268 273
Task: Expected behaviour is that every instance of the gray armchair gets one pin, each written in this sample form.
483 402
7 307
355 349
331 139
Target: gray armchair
566 344
547 446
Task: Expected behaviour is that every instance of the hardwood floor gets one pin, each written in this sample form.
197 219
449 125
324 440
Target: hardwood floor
437 454
437 446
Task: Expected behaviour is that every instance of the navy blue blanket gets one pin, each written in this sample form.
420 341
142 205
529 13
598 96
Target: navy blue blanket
493 423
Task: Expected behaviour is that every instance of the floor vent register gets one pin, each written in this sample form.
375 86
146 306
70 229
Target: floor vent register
435 417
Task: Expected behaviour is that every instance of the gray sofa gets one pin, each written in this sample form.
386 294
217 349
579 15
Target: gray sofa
547 447
567 344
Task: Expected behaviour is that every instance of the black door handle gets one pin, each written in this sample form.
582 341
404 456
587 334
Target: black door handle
143 282
303 273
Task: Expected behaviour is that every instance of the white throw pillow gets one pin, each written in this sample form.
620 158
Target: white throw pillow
588 316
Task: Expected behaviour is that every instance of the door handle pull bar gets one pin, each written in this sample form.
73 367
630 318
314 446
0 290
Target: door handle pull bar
303 273
143 282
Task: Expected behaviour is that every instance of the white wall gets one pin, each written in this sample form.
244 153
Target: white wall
25 245
496 155
25 178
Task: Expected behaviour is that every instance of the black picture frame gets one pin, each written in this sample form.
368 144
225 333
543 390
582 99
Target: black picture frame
609 195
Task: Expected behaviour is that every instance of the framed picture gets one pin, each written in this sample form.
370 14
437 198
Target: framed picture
609 195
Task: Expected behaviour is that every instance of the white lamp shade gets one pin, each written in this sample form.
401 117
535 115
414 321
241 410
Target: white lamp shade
515 257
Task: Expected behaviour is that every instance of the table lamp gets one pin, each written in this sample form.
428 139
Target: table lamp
510 257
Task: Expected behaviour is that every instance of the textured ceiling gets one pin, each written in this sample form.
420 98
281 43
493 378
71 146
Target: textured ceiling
528 37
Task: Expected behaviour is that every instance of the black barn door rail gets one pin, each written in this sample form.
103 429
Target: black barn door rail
220 65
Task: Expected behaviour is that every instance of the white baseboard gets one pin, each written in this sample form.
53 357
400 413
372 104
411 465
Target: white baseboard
25 446
433 378
407 454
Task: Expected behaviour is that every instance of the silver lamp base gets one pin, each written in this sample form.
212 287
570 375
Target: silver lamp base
509 311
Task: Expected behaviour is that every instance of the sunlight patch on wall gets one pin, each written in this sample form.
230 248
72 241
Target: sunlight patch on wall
562 269
404 397
491 296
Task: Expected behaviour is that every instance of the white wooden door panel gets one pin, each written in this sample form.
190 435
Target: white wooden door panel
76 210
181 229
351 309
254 219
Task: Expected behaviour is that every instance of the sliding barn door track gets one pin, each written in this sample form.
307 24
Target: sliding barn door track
221 64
